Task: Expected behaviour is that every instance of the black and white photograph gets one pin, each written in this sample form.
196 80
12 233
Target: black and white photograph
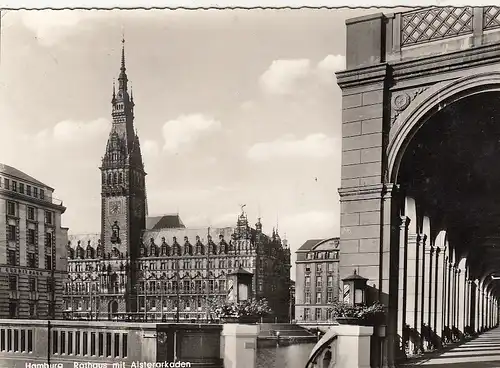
250 187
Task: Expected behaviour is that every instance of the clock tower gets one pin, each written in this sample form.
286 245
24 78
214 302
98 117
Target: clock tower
123 196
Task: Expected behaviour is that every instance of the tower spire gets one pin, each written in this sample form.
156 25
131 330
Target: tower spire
122 79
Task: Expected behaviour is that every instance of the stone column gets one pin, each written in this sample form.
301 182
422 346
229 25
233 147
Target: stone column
431 284
403 281
449 305
472 306
423 287
239 345
412 291
438 294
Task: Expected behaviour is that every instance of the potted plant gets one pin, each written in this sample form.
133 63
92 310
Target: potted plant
246 311
348 314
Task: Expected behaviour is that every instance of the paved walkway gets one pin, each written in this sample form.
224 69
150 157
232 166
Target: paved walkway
483 351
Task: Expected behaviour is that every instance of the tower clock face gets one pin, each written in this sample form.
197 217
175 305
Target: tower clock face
115 207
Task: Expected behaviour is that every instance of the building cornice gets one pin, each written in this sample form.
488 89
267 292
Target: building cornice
32 200
362 76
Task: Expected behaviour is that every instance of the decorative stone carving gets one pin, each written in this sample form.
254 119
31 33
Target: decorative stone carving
401 100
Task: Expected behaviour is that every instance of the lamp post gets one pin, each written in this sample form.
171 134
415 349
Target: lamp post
356 285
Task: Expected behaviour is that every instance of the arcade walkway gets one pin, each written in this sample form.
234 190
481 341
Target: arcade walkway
484 351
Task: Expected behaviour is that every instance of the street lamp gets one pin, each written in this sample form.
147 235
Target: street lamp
356 285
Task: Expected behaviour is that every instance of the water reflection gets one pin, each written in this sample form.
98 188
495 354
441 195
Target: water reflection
292 356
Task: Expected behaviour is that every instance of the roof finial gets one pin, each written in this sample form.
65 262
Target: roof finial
123 51
355 272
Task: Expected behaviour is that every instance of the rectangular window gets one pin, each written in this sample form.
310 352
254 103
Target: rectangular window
12 232
42 194
318 314
308 268
49 217
308 281
329 297
28 190
14 185
308 297
31 236
48 239
11 208
13 309
21 188
318 267
329 281
32 308
2 339
307 314
319 282
6 183
9 339
32 283
48 262
35 192
318 298
11 257
31 213
330 267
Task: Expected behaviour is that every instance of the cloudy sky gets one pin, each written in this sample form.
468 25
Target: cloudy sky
232 107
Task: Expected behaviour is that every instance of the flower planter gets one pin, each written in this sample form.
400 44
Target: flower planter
353 321
241 320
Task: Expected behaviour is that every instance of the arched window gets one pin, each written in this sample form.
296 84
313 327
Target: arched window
120 178
115 180
109 178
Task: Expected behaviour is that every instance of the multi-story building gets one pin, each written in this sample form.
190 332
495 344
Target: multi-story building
317 281
33 260
155 267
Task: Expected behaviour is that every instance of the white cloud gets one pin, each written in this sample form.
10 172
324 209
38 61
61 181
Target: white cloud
313 146
70 130
327 67
283 75
186 129
150 148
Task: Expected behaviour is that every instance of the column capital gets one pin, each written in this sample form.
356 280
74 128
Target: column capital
438 250
404 221
458 270
431 249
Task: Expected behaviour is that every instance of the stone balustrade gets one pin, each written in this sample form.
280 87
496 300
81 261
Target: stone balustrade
111 342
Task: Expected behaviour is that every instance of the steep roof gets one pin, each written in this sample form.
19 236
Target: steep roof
18 174
164 222
313 243
308 245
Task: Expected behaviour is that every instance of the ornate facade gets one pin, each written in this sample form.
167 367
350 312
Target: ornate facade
32 247
155 267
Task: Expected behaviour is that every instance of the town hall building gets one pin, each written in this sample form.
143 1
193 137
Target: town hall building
156 268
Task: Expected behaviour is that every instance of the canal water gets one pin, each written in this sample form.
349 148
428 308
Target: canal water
291 356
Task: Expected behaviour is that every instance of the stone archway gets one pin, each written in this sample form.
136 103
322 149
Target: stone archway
113 309
415 201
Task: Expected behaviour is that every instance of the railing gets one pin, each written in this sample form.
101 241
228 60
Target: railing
39 341
324 352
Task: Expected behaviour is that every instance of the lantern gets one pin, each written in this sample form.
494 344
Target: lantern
239 286
355 289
